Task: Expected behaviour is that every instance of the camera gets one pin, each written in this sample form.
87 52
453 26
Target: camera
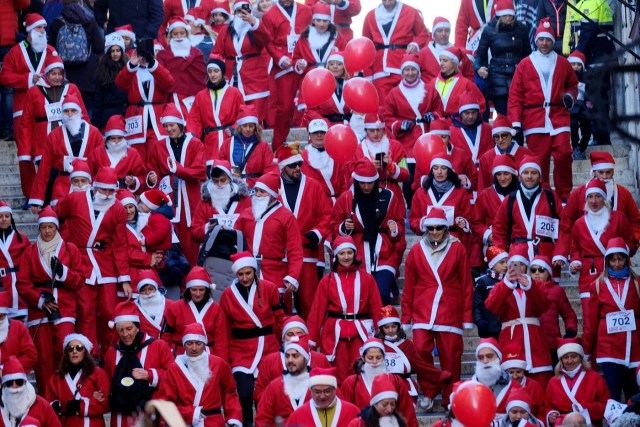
245 7
51 315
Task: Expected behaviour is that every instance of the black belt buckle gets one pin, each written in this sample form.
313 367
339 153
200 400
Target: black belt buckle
546 104
593 271
350 316
535 241
3 272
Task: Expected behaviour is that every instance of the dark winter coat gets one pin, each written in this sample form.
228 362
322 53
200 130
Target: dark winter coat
145 16
488 324
556 11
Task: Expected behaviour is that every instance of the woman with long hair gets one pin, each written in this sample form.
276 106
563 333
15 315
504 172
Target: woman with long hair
383 406
110 100
14 243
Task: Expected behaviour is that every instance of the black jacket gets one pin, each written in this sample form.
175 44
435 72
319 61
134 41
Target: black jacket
488 323
556 11
145 16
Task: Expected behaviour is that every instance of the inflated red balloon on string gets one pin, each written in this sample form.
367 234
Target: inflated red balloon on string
426 148
361 95
318 86
359 54
474 404
341 143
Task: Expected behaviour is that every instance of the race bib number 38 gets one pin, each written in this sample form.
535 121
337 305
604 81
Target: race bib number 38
621 321
547 226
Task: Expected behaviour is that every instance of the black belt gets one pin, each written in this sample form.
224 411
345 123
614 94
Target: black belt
214 411
335 118
243 57
390 46
405 376
251 175
245 334
347 316
314 64
143 103
44 119
545 105
61 173
235 65
215 129
47 285
343 25
5 271
527 240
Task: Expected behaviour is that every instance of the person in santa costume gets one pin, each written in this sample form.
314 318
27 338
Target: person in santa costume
196 305
285 22
438 295
289 391
157 232
51 273
96 222
76 138
519 413
396 29
136 365
374 217
254 315
178 9
177 168
250 156
503 134
519 302
272 365
614 293
200 384
575 387
346 306
116 153
128 38
324 408
469 132
530 216
201 33
215 109
19 400
298 192
149 85
23 67
151 304
341 13
513 361
13 244
451 84
274 238
619 198
488 324
472 18
357 388
383 409
79 392
541 94
14 336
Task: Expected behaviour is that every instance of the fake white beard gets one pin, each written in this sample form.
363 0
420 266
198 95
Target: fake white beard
391 338
388 421
18 401
180 47
143 219
4 329
296 386
369 372
599 220
241 27
144 75
415 95
72 123
259 205
321 161
153 305
116 152
488 373
384 16
199 367
316 39
220 196
103 202
610 184
38 41
85 187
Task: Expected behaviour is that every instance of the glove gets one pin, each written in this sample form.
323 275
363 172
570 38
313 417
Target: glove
570 333
567 101
519 137
73 407
407 125
428 118
57 269
47 297
313 240
151 61
56 407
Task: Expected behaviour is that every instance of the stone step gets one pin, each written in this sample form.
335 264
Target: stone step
9 190
29 228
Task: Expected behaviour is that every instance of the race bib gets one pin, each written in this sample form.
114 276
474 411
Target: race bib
134 125
54 111
188 102
165 185
621 321
547 226
474 40
227 221
449 212
292 40
368 327
394 363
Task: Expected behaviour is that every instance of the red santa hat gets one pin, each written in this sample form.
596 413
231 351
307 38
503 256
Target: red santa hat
116 126
4 207
71 102
440 127
442 159
513 357
372 121
365 171
155 198
388 314
144 278
502 124
601 160
343 242
270 183
371 343
504 163
171 114
197 15
242 260
596 186
491 343
617 245
5 302
577 57
299 343
125 311
440 22
52 62
238 3
126 31
47 215
221 6
323 376
519 397
338 55
468 101
453 53
321 11
410 60
518 253
247 114
194 332
529 161
217 61
126 197
435 216
12 369
570 345
33 20
77 337
79 168
113 39
224 166
294 322
544 29
382 388
495 255
289 153
542 261
177 22
106 178
198 276
504 7
318 125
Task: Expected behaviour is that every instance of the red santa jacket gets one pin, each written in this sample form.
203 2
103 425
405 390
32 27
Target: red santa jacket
587 388
485 163
257 161
331 175
473 149
180 8
206 211
195 397
334 109
304 52
108 263
189 75
277 403
462 165
450 89
40 410
129 165
18 343
157 233
454 202
64 388
307 414
12 249
342 15
395 172
149 325
57 157
559 305
535 105
536 392
472 17
519 310
484 210
429 61
138 258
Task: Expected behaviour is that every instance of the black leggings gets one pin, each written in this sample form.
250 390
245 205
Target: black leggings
619 378
244 385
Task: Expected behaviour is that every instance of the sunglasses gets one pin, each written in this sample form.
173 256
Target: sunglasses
537 270
295 165
501 136
18 382
436 227
78 348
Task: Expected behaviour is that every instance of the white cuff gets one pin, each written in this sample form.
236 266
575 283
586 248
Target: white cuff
394 234
423 226
346 5
407 328
36 202
40 302
467 186
343 233
154 382
317 233
295 67
136 187
396 174
234 422
173 166
516 124
131 68
125 278
255 26
155 66
147 179
485 237
65 272
509 284
281 61
293 281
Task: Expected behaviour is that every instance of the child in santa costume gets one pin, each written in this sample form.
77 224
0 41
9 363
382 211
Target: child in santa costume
513 361
151 304
519 412
157 233
13 245
488 324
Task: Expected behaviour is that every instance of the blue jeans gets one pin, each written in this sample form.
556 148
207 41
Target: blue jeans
384 279
6 99
619 378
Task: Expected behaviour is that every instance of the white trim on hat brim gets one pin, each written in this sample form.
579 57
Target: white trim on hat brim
190 18
440 132
172 119
295 324
529 165
223 169
4 209
603 166
297 347
77 337
71 106
335 57
193 337
518 258
388 320
451 56
127 318
145 282
105 186
342 246
329 380
247 120
376 125
178 24
570 348
575 60
244 262
16 376
221 10
127 33
434 222
53 66
214 65
128 201
542 264
439 25
410 64
466 107
115 132
368 345
318 125
545 34
503 168
144 199
616 250
519 403
510 364
384 395
361 178
264 187
321 16
491 346
82 174
494 131
293 159
36 24
505 12
48 219
595 190
497 259
439 161
197 282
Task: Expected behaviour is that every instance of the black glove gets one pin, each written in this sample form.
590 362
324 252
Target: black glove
73 407
56 407
57 269
519 136
47 297
407 125
313 240
427 118
151 61
567 101
570 333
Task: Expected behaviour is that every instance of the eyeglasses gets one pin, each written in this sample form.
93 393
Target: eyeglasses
295 165
436 227
501 136
18 382
537 270
78 348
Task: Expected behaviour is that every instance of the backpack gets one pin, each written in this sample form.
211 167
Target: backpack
72 43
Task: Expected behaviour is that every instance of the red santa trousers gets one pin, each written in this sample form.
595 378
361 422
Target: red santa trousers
27 169
308 285
95 309
541 378
347 352
544 146
283 98
48 339
189 247
261 105
384 85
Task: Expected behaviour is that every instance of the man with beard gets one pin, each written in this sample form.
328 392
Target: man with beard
19 399
152 305
290 390
429 56
273 235
76 139
96 222
22 67
201 385
300 192
14 337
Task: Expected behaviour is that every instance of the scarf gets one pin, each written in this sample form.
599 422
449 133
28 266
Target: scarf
441 187
571 374
48 249
505 191
240 145
619 274
495 275
384 16
368 207
529 192
216 86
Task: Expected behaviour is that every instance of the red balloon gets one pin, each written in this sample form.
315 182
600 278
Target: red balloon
426 148
341 143
474 404
318 86
359 54
361 96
